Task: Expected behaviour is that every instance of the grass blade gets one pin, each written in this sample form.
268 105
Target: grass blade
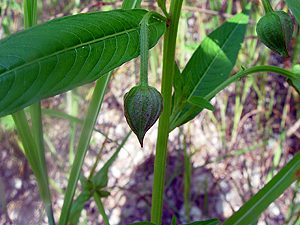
271 191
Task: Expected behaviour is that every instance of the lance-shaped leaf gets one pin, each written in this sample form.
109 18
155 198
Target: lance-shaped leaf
211 64
64 53
295 8
201 102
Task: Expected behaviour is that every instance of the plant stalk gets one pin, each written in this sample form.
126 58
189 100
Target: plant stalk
267 6
144 46
99 204
163 124
37 131
256 69
33 142
83 144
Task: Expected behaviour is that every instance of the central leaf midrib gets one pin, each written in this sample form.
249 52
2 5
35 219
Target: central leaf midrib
75 47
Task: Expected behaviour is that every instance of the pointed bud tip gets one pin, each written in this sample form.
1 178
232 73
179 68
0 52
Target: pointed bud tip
142 108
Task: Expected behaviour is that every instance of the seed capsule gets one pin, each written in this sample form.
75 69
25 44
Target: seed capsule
142 107
275 30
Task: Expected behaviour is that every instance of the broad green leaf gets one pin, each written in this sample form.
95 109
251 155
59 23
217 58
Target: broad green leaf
64 53
206 222
271 191
212 63
295 8
201 102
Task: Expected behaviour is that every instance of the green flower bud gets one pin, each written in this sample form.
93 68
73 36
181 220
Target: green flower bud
275 30
142 107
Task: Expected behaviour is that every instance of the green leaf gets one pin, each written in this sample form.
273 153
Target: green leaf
78 205
64 53
295 82
103 194
271 191
201 102
212 63
100 179
173 217
295 8
206 222
180 86
85 183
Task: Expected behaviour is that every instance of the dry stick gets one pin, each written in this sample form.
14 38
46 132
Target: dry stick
293 129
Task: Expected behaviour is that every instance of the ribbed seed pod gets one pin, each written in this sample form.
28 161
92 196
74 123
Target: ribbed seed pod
142 107
275 30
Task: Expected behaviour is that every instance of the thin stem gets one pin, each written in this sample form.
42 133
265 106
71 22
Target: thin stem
144 46
83 143
31 153
99 204
162 6
27 140
38 150
267 6
37 131
255 69
30 13
163 125
97 160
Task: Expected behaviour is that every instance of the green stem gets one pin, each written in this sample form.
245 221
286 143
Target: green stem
144 46
163 125
37 131
99 204
97 160
38 150
83 143
256 69
27 141
144 49
32 155
267 6
30 13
